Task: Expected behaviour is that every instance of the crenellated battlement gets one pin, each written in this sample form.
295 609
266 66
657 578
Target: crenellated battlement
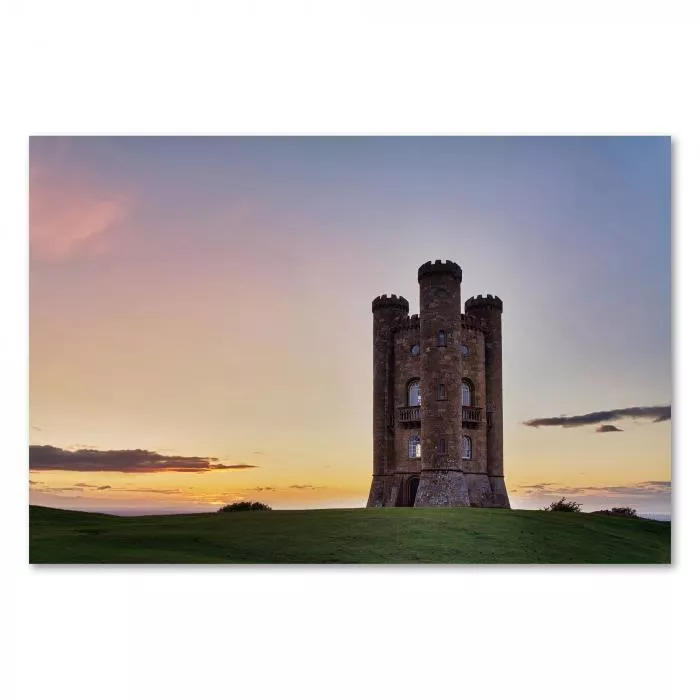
439 267
481 300
410 323
389 301
473 323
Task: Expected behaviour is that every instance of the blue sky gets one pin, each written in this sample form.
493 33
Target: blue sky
170 256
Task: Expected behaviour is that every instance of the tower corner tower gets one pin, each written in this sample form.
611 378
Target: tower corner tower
388 312
488 310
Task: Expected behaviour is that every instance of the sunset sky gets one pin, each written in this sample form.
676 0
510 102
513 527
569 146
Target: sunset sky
200 311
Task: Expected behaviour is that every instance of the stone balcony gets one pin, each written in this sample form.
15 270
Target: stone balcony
409 414
470 414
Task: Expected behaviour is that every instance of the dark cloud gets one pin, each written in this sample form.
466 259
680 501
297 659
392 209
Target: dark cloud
538 487
607 428
642 488
49 458
147 490
258 452
657 414
291 486
95 487
59 489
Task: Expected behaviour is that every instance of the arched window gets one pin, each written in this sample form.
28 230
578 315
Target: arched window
467 392
414 393
441 338
414 447
466 447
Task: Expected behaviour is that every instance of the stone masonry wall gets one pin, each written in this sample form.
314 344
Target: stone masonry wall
473 369
406 368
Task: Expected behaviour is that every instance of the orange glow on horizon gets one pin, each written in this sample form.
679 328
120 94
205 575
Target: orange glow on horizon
212 298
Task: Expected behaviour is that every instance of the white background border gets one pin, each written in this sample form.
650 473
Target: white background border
362 68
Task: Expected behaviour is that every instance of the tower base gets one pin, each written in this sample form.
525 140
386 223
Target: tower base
391 490
377 492
480 493
442 488
447 489
500 495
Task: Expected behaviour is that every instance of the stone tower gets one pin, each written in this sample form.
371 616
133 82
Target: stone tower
438 397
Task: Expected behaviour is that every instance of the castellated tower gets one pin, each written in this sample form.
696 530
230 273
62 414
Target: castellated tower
438 397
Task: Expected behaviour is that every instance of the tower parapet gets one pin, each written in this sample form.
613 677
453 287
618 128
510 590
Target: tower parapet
473 322
481 301
439 267
412 322
386 301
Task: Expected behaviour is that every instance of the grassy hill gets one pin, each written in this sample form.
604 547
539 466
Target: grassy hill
374 536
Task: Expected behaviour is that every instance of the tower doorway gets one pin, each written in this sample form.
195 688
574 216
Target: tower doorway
412 489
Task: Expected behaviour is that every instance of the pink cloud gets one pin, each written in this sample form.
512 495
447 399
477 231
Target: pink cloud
70 213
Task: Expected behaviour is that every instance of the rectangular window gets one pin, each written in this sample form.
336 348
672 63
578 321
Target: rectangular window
441 338
442 392
466 447
442 446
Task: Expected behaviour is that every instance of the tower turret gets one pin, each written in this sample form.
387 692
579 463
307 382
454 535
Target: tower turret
388 313
442 481
488 309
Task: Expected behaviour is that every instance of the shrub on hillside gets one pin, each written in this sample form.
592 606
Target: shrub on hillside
624 512
244 505
562 505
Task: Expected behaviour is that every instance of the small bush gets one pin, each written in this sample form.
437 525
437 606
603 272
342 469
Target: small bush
562 505
624 512
243 505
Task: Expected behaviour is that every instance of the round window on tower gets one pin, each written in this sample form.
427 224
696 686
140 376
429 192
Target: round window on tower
415 349
465 350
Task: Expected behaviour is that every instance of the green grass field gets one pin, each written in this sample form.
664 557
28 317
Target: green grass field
357 536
